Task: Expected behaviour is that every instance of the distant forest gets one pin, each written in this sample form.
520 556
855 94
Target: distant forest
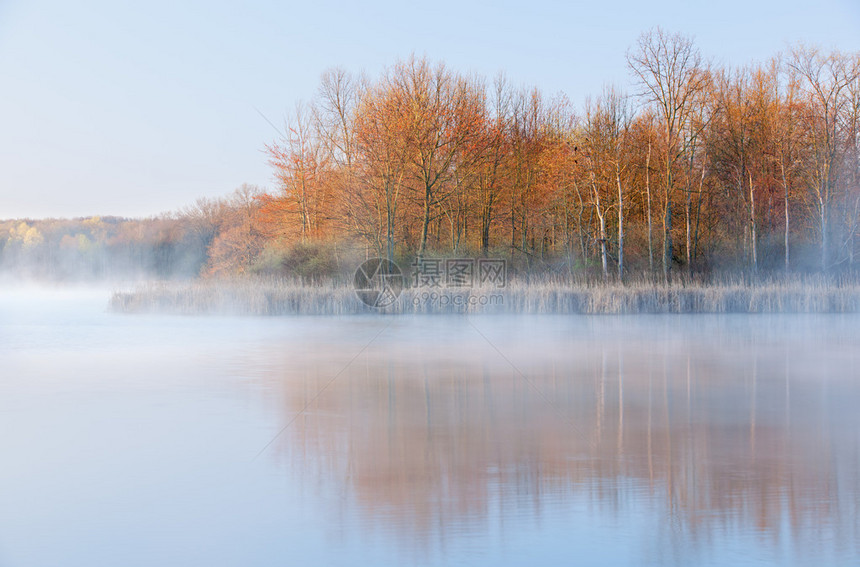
698 170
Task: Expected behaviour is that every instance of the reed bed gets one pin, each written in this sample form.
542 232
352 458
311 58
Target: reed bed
274 297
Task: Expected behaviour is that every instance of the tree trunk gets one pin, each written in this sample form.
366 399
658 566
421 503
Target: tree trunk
698 214
513 229
648 201
688 228
824 235
602 219
620 224
785 194
486 216
667 240
753 232
424 226
390 220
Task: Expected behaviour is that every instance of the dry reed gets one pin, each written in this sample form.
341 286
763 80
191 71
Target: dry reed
261 296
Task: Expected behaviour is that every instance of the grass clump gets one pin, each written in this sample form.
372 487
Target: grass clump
279 296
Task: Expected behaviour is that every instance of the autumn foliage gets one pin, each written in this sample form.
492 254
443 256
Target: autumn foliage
753 168
697 170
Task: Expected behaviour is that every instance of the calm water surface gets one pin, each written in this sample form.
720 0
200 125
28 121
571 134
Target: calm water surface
665 440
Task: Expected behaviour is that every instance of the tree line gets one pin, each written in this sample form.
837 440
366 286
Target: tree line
699 168
182 244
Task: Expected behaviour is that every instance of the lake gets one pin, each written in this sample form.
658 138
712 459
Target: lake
437 440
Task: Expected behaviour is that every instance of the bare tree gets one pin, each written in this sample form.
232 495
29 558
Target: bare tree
603 144
826 81
334 114
300 164
671 71
441 113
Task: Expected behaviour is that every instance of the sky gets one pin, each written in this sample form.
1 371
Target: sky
138 108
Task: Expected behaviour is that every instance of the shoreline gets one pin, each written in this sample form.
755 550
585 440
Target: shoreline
269 297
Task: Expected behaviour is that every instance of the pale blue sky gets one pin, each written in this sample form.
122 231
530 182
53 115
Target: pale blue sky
141 108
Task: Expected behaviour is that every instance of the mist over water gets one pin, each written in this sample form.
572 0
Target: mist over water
488 440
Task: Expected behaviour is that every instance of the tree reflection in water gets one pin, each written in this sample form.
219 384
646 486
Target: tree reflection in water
717 427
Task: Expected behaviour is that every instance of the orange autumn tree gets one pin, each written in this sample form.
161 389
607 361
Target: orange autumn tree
441 114
302 208
374 201
240 234
711 170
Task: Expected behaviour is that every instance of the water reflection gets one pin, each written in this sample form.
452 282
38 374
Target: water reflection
702 439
